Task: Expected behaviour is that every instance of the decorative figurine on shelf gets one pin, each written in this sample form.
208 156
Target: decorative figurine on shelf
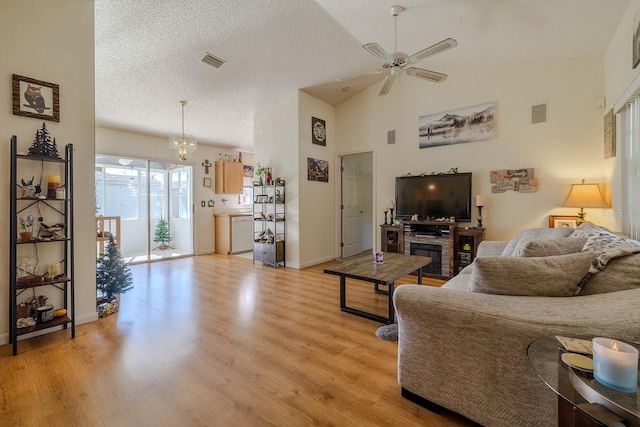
268 176
28 189
43 145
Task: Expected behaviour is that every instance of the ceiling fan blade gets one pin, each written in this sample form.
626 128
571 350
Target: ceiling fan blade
432 50
376 50
432 76
386 85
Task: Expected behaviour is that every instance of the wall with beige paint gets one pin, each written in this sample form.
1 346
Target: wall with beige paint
64 56
564 150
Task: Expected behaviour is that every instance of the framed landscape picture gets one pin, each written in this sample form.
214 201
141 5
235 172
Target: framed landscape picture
36 98
559 221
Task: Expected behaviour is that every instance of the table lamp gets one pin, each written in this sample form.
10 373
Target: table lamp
584 196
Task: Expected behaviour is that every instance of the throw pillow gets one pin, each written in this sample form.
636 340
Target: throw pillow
550 247
536 234
553 276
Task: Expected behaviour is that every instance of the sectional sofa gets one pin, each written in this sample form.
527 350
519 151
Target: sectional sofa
463 346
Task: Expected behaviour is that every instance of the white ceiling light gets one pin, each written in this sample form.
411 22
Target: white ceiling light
183 145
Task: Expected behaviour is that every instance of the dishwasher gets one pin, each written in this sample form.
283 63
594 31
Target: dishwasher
241 234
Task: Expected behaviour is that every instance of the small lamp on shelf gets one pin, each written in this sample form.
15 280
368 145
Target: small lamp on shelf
585 196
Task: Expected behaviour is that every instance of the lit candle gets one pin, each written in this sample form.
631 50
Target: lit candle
479 200
615 364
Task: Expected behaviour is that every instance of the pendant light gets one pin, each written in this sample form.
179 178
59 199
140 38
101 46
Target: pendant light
183 145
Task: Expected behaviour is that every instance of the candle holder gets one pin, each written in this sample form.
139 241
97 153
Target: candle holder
615 364
479 208
385 218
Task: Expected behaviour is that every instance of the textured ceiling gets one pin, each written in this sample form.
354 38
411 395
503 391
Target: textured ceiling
149 52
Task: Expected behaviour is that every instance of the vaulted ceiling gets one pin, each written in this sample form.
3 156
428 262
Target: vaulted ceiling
149 52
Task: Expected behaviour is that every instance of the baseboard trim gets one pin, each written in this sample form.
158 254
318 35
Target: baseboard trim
427 404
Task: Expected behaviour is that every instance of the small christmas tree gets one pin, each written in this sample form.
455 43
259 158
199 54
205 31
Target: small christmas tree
113 275
162 235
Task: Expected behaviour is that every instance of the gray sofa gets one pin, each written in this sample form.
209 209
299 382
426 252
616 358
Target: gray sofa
463 346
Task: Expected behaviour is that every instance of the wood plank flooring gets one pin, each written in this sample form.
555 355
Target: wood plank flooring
215 340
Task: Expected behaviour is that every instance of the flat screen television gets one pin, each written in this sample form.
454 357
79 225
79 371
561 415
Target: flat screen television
435 196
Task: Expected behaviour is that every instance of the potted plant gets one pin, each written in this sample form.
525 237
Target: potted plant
162 235
113 277
260 172
25 227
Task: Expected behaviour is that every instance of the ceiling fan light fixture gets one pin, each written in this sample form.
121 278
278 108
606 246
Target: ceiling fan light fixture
397 61
184 145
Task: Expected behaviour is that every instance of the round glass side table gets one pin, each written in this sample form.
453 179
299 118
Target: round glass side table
581 399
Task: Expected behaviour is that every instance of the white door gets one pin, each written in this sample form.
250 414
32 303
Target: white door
352 209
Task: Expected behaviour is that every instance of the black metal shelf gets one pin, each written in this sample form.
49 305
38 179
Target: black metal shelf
62 209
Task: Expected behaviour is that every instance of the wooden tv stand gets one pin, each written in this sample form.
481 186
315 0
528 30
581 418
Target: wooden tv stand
458 245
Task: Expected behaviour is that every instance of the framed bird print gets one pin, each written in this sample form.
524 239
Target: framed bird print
36 98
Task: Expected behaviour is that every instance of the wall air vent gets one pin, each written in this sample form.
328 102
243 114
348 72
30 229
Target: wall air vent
212 60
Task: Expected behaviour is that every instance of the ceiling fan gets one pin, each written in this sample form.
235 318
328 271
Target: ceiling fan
397 61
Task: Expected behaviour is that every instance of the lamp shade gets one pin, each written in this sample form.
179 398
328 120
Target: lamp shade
585 196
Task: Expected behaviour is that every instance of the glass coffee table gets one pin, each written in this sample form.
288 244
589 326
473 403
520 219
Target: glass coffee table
582 400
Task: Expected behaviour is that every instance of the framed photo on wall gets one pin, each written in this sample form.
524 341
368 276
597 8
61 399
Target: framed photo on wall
559 221
36 98
318 131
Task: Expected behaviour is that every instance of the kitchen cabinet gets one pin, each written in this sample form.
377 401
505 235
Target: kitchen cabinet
229 177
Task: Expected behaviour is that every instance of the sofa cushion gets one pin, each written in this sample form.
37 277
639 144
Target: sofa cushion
535 234
549 247
537 276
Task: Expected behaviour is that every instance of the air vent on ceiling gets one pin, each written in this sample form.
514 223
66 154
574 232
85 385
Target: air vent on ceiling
212 60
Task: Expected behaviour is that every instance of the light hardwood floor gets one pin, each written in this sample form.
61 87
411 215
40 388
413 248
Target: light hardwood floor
216 341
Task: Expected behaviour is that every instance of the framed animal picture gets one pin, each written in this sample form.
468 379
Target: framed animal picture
36 98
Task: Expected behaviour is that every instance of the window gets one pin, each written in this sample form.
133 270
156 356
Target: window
631 168
180 202
118 192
